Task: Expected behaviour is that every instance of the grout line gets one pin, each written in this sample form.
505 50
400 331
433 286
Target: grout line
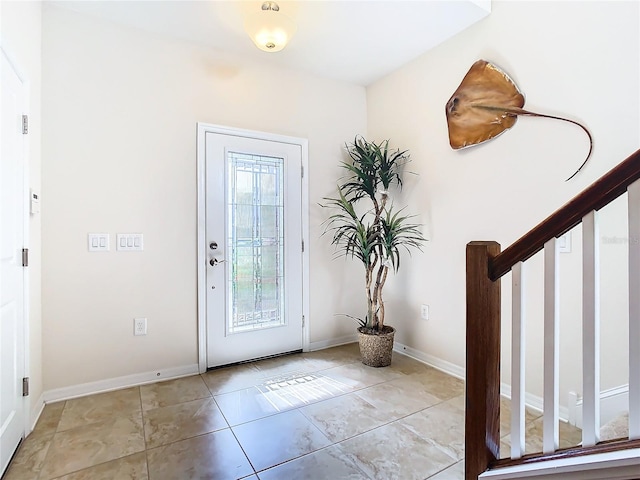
255 472
144 433
55 432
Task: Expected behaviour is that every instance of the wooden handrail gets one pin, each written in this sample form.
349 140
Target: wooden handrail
485 265
600 193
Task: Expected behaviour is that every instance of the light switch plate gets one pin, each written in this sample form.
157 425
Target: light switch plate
34 202
564 243
98 242
129 242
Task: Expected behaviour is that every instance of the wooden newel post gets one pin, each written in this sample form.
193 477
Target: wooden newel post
482 414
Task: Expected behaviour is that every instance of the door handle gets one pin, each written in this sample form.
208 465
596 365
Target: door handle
214 261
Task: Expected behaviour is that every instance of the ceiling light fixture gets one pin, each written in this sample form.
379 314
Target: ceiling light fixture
269 29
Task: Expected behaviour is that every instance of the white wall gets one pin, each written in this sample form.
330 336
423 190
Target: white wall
574 59
120 111
20 35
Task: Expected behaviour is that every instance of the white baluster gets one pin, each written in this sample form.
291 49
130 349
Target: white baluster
550 439
517 361
590 331
634 309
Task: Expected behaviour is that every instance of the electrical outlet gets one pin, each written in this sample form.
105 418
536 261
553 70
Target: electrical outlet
424 312
139 326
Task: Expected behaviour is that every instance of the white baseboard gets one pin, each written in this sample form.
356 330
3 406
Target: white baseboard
334 342
435 362
613 402
457 371
36 410
74 391
536 403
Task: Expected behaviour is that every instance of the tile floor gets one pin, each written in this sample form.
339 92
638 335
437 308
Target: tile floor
318 415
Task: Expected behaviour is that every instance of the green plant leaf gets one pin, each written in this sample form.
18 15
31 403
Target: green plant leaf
379 235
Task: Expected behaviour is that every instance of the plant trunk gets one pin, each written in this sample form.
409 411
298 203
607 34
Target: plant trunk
370 299
379 301
376 295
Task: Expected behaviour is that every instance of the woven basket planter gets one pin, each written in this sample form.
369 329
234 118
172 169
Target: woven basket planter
376 348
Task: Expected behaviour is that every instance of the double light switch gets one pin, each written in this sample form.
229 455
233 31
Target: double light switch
99 242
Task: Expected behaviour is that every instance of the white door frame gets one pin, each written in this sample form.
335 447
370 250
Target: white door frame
202 130
28 424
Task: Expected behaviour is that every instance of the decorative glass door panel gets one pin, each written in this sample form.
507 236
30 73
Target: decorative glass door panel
255 245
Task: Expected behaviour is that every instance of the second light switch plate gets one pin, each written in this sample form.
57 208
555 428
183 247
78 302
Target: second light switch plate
129 242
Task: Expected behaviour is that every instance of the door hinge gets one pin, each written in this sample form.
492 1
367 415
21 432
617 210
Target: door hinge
25 387
302 246
302 171
25 124
25 257
302 321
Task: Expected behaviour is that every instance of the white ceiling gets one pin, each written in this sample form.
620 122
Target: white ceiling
358 41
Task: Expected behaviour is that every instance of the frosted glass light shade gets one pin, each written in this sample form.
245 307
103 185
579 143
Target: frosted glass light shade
270 30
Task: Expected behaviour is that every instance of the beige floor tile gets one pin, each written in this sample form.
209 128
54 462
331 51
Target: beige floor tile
570 436
216 456
95 408
30 457
185 420
505 416
439 384
278 438
393 452
329 463
406 365
133 467
617 428
505 448
399 398
50 417
286 412
231 379
90 445
344 417
172 392
245 405
441 425
334 357
455 472
358 375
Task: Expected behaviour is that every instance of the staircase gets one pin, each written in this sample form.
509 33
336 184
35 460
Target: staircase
607 453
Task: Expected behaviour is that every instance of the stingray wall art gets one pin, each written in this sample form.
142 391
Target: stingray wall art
487 103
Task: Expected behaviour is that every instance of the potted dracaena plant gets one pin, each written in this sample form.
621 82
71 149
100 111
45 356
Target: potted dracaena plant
366 226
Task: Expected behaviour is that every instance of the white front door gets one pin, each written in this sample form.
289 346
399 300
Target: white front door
12 196
253 248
